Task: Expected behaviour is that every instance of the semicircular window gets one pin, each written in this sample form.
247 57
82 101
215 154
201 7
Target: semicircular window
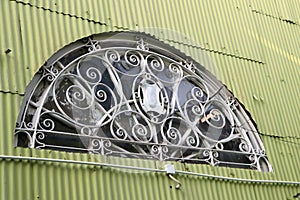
128 94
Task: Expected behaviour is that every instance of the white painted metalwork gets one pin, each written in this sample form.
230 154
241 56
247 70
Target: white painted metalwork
130 95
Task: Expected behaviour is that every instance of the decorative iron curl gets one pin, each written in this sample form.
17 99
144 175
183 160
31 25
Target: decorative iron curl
47 124
74 97
141 133
120 133
192 111
40 136
133 58
160 152
192 141
101 96
112 55
155 63
244 147
90 69
172 136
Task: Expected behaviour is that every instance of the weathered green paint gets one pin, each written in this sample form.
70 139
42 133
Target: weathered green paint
254 50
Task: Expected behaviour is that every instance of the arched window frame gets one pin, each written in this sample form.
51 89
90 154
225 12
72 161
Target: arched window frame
164 126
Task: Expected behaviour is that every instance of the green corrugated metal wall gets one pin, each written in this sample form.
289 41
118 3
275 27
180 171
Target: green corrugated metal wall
254 50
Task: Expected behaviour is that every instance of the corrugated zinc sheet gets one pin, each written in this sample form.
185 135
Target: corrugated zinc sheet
42 180
251 46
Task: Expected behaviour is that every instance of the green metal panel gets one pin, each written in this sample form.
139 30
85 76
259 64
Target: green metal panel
254 50
25 180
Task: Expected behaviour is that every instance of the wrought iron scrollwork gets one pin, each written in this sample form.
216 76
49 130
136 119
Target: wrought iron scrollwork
132 99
